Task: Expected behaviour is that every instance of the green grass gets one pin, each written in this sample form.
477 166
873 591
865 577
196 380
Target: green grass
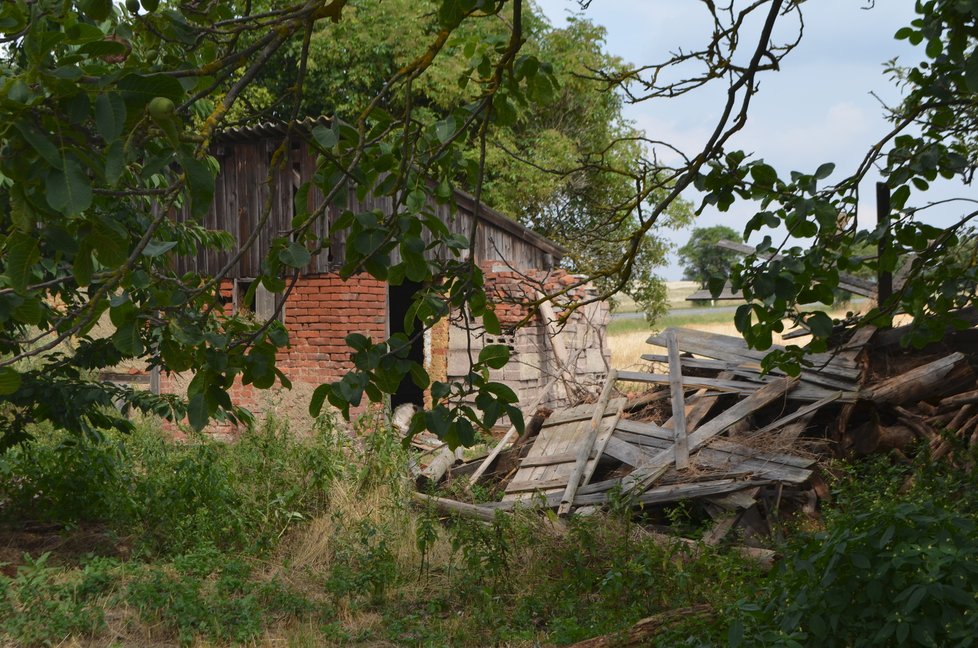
619 326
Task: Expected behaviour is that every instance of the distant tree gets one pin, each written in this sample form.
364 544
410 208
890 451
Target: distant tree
702 260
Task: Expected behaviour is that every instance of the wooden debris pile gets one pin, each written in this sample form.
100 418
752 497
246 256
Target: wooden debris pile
713 428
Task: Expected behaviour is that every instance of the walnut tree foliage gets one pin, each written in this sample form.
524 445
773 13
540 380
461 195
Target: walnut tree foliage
931 137
107 113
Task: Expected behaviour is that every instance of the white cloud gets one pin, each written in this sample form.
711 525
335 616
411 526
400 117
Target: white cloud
841 133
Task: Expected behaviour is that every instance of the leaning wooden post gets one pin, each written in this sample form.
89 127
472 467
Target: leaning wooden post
561 356
584 451
678 401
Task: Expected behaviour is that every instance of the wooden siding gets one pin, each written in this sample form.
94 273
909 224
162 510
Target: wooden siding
245 188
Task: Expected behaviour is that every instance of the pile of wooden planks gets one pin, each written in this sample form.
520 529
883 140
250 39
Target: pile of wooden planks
715 429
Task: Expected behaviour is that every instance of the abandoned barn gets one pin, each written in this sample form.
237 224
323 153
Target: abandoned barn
323 308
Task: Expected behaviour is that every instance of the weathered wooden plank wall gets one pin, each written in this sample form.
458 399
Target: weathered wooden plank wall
247 186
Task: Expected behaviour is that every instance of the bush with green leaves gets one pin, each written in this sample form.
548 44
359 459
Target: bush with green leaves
172 497
600 576
210 593
889 568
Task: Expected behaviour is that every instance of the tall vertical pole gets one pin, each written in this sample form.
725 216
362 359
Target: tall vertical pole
884 279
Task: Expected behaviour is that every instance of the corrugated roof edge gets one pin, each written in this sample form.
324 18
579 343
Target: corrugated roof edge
463 199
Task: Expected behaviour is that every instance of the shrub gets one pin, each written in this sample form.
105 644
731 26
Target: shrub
889 568
209 593
171 498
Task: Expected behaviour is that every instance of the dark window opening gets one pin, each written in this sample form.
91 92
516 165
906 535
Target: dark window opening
399 300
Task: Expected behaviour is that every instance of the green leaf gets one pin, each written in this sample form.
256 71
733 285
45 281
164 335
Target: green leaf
419 376
715 285
83 267
914 600
115 161
824 171
902 632
820 324
505 113
22 252
445 128
30 311
764 174
318 397
155 248
110 247
126 339
19 92
742 317
140 89
494 355
176 357
197 413
200 184
971 72
69 190
437 421
735 633
9 381
502 391
860 561
295 256
903 33
40 143
102 48
491 323
110 116
325 137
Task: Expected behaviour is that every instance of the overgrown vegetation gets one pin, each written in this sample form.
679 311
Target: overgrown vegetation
312 541
896 563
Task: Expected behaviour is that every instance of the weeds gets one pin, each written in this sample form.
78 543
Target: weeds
312 541
44 604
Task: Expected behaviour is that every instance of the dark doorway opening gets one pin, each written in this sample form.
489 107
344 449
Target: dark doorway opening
399 300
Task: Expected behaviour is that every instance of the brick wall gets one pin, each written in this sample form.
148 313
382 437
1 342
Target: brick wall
323 309
320 312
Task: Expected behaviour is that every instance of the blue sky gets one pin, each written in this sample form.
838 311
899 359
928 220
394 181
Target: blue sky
820 107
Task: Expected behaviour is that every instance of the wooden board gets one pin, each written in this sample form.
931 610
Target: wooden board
734 349
559 441
808 391
651 470
733 459
658 495
751 370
